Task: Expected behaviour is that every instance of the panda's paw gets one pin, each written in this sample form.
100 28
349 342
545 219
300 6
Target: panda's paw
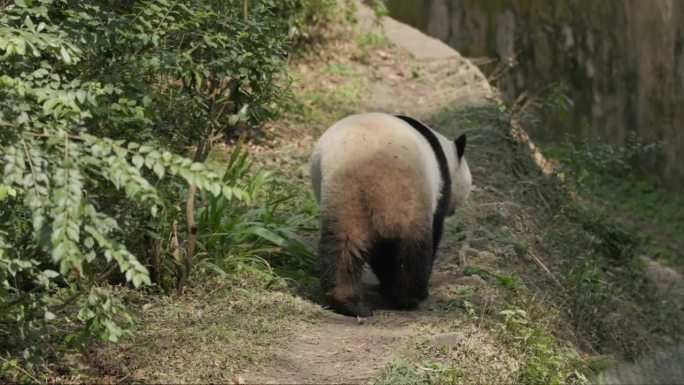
360 309
355 308
407 303
402 298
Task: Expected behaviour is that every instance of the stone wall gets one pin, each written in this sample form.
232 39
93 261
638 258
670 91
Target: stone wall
623 61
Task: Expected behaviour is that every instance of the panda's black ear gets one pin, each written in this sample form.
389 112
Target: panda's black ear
460 145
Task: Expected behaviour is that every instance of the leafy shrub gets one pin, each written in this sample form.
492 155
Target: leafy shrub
258 229
101 100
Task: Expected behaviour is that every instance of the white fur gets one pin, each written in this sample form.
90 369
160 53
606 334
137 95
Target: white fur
366 142
363 136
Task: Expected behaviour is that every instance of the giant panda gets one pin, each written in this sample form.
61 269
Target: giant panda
384 184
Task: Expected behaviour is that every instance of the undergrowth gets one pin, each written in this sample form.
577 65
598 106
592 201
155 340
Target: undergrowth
262 232
613 176
565 290
253 255
606 295
102 103
605 174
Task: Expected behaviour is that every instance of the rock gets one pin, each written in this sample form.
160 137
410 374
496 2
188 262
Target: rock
451 340
667 281
466 253
663 366
471 280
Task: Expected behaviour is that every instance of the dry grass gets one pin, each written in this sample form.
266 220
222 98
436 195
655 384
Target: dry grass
558 286
210 335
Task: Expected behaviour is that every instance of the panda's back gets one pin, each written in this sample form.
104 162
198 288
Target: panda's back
379 166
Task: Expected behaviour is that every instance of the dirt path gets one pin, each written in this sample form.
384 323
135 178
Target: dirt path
334 350
344 350
338 349
443 77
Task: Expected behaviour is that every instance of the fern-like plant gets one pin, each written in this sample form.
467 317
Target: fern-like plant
99 104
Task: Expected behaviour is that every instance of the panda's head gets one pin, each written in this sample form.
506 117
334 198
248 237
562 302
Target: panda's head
461 180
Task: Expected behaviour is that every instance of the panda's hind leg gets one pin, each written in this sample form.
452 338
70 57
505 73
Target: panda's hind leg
341 268
382 259
403 268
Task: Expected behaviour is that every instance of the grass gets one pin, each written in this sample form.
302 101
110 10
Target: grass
368 43
327 85
400 373
650 209
552 291
317 106
428 372
654 213
221 327
414 69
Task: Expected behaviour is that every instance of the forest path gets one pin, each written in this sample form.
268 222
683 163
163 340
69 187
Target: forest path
339 349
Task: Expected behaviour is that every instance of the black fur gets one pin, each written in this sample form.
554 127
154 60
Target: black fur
403 269
443 203
460 146
331 270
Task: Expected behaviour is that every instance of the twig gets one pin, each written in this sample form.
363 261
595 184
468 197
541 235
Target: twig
67 302
484 308
108 272
546 269
155 255
192 235
478 61
33 171
134 20
20 369
165 16
175 251
502 70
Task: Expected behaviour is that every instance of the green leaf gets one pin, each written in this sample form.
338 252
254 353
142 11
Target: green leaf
216 189
49 105
159 170
6 191
81 96
22 118
66 57
50 273
227 191
266 234
138 161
